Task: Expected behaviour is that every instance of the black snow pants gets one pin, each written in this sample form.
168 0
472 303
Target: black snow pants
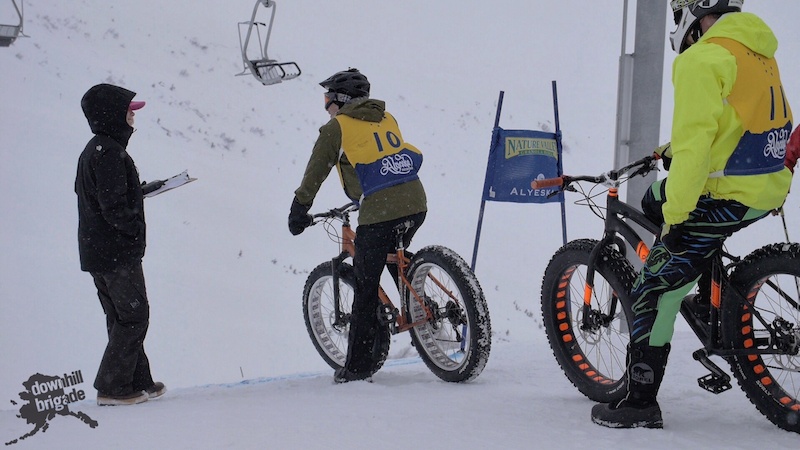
367 336
124 368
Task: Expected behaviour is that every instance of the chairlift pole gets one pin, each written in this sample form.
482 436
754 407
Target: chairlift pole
646 89
639 95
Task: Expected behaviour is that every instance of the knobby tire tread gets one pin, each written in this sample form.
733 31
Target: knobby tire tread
478 343
560 325
773 392
335 342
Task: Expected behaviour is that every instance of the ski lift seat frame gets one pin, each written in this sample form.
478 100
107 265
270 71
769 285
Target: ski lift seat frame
266 70
10 33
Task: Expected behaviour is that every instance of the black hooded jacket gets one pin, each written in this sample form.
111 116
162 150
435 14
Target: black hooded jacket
111 226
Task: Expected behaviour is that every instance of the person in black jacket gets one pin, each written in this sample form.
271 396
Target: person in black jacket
111 242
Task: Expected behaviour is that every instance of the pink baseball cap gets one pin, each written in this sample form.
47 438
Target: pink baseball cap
137 105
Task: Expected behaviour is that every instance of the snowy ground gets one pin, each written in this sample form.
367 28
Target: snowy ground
521 401
224 275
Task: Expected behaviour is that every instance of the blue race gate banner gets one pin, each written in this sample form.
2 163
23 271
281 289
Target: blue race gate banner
516 158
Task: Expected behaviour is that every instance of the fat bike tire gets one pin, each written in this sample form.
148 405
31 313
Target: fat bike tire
456 342
768 281
593 358
331 339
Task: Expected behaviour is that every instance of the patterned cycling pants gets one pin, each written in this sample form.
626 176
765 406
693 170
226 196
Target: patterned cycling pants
666 278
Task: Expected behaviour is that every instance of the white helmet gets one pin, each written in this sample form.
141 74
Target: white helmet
688 14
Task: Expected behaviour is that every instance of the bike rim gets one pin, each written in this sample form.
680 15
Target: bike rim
445 342
599 353
322 314
775 297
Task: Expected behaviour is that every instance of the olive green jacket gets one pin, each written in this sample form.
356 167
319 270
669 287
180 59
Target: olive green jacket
384 205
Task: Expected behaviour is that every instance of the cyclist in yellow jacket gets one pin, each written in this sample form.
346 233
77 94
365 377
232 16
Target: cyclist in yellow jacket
730 128
378 169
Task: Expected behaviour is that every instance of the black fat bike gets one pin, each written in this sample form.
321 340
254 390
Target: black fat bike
752 322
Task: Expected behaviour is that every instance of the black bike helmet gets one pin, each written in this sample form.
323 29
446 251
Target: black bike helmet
350 83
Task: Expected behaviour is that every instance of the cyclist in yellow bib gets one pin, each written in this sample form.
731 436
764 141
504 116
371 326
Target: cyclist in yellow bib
730 129
379 171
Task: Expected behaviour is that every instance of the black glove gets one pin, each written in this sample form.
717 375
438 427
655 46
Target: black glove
151 186
672 236
299 218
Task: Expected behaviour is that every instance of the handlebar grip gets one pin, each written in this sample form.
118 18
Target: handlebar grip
547 182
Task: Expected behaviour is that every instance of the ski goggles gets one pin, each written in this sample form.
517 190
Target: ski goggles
331 97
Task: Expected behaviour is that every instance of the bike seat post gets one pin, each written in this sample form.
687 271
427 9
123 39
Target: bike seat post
400 245
400 231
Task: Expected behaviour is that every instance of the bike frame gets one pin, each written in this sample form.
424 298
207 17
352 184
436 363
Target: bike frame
398 323
709 334
615 227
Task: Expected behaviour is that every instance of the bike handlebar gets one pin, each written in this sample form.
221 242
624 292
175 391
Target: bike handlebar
547 182
643 166
337 213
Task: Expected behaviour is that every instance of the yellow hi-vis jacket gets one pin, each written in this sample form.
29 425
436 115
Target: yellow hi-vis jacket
731 121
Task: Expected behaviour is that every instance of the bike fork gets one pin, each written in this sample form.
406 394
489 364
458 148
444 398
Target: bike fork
335 264
588 289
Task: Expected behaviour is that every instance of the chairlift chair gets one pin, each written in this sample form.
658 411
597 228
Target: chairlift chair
267 71
10 33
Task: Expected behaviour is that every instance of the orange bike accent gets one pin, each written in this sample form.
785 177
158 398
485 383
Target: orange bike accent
348 240
716 294
612 192
587 295
565 328
642 251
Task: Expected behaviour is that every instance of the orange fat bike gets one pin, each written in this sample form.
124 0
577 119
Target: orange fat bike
441 304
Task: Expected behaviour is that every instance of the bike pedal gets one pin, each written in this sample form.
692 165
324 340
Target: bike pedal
715 384
387 315
717 381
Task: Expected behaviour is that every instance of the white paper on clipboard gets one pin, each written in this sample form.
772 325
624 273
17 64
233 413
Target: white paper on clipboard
172 183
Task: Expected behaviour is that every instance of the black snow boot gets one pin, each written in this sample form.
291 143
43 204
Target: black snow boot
639 408
343 375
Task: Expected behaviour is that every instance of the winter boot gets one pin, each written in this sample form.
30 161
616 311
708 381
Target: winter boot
156 390
124 399
343 375
645 370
